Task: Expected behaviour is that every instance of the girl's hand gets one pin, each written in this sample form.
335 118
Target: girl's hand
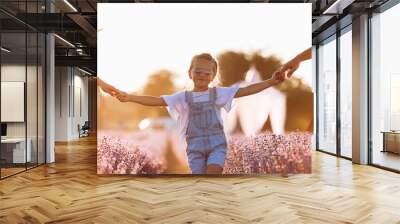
290 67
278 77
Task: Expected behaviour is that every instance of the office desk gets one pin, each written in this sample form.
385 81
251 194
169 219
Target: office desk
16 148
391 141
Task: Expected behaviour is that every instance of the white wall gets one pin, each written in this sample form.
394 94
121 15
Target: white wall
33 127
80 101
12 100
16 73
71 93
61 103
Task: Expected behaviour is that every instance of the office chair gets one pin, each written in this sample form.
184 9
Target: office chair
84 130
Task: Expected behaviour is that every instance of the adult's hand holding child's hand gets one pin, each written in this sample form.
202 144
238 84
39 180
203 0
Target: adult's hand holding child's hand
278 77
107 87
112 91
290 67
123 96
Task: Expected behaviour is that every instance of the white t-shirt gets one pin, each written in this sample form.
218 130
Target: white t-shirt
179 109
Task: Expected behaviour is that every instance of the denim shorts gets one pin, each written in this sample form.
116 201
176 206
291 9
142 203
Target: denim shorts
206 150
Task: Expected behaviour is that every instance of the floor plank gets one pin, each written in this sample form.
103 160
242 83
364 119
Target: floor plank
70 191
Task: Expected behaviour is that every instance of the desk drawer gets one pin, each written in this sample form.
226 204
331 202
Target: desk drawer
6 154
392 142
14 152
19 154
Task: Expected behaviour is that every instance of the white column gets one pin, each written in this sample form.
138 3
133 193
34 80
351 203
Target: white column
314 86
360 90
50 110
50 93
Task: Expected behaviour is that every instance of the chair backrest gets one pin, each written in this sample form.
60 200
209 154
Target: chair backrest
86 125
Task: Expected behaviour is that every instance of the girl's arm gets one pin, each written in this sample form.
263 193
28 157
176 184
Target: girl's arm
144 100
125 97
257 87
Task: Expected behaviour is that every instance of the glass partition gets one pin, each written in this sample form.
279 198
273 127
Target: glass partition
22 77
13 103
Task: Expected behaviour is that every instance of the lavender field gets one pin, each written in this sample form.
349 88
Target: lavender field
269 154
160 152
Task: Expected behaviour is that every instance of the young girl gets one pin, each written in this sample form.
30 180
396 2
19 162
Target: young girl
198 112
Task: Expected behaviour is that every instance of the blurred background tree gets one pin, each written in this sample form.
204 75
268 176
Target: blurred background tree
159 83
113 114
265 66
233 67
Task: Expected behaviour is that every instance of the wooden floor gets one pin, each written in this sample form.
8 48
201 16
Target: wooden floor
10 171
69 191
387 159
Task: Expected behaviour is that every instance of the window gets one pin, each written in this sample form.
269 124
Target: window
346 93
327 96
385 88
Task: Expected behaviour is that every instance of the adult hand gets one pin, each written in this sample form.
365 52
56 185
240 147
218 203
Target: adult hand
107 87
278 77
123 96
289 68
111 90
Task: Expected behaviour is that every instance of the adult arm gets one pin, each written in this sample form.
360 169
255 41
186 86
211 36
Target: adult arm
291 66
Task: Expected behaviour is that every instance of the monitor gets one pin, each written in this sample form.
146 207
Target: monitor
3 129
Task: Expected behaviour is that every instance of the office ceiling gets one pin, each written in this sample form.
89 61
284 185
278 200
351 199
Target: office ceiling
76 22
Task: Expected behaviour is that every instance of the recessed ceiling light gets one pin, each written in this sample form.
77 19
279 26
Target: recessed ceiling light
64 40
86 72
70 5
5 49
338 6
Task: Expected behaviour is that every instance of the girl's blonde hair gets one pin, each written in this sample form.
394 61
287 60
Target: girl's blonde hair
205 56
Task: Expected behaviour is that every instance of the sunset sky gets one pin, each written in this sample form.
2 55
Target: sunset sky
138 39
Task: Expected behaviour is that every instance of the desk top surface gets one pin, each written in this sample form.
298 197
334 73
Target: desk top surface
13 140
391 132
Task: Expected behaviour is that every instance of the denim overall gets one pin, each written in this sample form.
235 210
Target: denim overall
205 137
